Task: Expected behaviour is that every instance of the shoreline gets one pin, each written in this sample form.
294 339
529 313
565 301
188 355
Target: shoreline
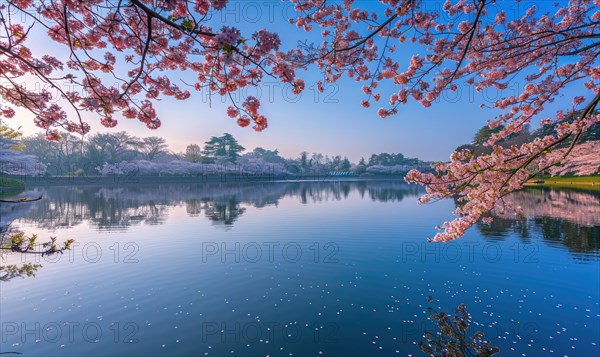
566 183
588 183
145 180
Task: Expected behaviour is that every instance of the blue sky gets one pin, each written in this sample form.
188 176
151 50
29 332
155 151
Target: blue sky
331 123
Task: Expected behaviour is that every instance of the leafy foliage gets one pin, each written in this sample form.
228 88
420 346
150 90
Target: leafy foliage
225 147
6 182
19 242
193 153
11 271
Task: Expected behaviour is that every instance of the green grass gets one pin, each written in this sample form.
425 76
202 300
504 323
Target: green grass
573 179
10 187
6 182
588 183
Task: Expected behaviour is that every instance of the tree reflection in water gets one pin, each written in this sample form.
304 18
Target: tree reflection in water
119 207
562 218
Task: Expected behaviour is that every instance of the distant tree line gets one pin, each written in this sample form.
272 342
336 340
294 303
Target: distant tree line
121 153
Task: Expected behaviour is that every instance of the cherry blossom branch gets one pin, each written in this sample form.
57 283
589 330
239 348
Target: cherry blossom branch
472 31
143 59
152 13
368 37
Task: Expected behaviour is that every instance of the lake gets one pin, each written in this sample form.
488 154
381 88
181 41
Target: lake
297 269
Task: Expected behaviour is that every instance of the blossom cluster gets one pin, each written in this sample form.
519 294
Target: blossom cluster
147 40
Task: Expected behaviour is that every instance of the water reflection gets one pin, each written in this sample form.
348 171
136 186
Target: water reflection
224 212
117 208
565 218
561 218
375 290
579 207
11 211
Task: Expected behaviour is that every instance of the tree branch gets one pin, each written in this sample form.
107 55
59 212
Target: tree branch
163 19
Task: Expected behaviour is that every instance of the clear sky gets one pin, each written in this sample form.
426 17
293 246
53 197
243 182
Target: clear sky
331 123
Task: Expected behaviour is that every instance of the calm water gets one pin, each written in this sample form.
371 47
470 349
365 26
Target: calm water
297 269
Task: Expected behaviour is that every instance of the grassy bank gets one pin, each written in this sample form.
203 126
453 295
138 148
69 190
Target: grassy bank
591 182
10 186
10 183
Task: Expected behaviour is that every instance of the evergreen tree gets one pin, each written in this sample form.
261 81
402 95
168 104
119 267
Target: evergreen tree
222 146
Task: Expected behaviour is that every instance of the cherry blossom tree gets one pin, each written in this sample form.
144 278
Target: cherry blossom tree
14 162
139 44
585 160
245 166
